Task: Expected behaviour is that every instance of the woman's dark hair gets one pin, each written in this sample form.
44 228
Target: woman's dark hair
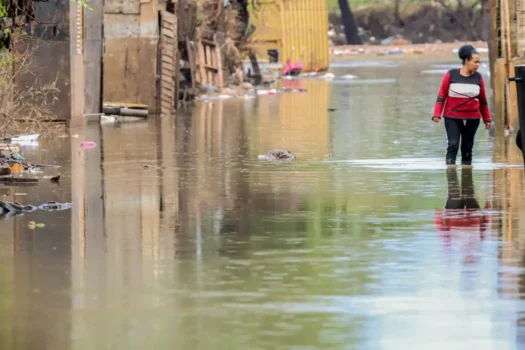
466 52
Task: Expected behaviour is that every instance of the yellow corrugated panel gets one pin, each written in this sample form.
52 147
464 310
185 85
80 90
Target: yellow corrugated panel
267 21
305 35
300 33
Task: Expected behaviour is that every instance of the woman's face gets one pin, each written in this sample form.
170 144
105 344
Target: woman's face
473 63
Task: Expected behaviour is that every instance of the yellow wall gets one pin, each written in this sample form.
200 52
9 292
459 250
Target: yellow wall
297 28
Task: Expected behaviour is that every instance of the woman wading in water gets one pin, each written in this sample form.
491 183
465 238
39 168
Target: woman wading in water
462 102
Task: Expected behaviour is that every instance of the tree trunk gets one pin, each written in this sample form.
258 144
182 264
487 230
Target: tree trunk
397 15
347 17
485 13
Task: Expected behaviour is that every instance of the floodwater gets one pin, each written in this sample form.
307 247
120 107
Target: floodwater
363 242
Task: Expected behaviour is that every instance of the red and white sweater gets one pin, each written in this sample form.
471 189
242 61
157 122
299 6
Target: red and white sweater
462 97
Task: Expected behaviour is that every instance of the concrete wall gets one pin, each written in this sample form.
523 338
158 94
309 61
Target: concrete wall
131 37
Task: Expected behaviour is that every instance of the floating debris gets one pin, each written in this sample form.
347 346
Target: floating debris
125 109
21 138
11 209
5 171
55 206
277 154
18 180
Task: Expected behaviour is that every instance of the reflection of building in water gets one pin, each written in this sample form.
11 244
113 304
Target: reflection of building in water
34 261
509 204
298 122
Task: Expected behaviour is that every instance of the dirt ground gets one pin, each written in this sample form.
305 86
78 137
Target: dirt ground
419 24
412 50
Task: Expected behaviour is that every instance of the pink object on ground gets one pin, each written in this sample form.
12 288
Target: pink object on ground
88 145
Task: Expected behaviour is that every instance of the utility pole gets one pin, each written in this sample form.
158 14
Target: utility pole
77 78
93 55
85 27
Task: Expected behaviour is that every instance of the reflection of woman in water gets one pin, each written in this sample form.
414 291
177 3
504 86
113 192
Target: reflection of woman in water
462 101
462 220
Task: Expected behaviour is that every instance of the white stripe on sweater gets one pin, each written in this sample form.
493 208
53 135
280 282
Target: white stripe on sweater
463 90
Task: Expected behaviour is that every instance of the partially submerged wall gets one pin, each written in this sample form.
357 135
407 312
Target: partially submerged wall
131 44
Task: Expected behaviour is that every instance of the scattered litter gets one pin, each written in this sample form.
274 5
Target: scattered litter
11 209
31 225
8 209
20 194
395 51
17 168
271 92
21 138
347 52
332 109
55 179
25 138
348 77
293 90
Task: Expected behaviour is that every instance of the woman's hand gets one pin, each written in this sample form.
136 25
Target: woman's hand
436 119
487 125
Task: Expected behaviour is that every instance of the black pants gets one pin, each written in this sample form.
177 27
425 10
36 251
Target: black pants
461 197
463 131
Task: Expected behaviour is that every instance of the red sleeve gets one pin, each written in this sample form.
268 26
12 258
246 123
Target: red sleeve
442 96
483 103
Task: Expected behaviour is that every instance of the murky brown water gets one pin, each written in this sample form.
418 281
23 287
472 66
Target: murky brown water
210 248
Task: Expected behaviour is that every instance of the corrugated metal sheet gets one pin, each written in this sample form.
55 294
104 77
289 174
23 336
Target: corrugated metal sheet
305 27
298 28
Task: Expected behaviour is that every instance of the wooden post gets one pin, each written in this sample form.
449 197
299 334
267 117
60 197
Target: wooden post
493 37
500 72
77 84
202 62
220 40
511 98
191 57
93 55
168 53
176 77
